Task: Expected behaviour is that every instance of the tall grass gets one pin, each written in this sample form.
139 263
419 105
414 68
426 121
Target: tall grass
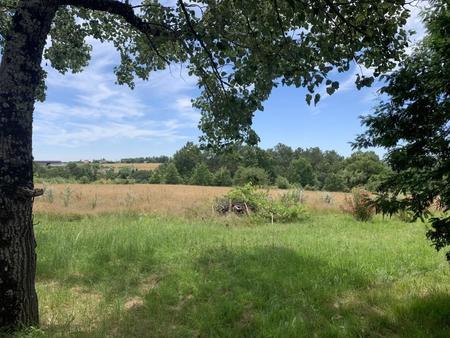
150 276
149 198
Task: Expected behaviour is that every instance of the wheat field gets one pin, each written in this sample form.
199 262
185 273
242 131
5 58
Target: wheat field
136 166
151 198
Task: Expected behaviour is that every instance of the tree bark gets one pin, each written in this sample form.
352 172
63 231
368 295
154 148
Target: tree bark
20 75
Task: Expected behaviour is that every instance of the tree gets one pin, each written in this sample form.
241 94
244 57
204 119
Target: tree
255 176
413 124
301 171
360 167
222 178
238 51
187 158
335 182
171 174
201 175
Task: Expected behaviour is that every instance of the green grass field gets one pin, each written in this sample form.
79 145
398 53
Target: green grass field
145 276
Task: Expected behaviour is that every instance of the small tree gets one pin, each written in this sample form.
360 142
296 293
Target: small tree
157 177
302 172
171 174
255 176
222 178
201 175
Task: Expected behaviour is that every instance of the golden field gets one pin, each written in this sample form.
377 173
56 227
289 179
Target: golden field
137 166
150 198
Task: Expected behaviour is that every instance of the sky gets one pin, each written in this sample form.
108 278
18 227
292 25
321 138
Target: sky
88 116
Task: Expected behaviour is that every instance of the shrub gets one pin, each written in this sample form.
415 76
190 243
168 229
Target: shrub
359 205
253 175
141 176
249 197
222 178
248 200
282 182
280 212
156 177
84 180
67 195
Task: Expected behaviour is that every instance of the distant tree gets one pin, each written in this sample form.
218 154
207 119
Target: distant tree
187 158
360 167
301 172
124 172
256 176
201 175
222 178
252 156
141 176
157 176
282 156
335 182
413 124
171 174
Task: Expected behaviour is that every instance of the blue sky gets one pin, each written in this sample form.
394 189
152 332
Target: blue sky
87 116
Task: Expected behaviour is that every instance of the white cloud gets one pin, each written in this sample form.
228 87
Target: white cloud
88 107
184 106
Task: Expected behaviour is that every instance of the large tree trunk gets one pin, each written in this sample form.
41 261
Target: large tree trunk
20 73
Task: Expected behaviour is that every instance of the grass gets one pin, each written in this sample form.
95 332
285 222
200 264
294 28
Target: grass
131 275
165 199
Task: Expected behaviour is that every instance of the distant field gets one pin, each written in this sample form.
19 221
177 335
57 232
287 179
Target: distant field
148 198
138 166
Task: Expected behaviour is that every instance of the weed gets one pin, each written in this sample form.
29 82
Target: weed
67 195
48 195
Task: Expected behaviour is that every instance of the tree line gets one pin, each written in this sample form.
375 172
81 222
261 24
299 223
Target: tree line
281 166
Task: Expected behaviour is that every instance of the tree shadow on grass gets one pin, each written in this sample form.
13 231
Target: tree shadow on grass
243 293
270 292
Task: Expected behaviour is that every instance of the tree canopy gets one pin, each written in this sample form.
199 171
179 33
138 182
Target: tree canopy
413 124
238 50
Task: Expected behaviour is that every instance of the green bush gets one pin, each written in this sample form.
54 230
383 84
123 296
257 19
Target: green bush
359 205
156 177
247 200
282 182
201 175
222 178
280 212
249 196
253 175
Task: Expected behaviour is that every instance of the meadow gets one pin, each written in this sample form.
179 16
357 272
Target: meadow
165 271
162 199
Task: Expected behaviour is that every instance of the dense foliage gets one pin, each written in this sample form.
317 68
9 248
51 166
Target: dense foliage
260 207
413 124
238 50
281 166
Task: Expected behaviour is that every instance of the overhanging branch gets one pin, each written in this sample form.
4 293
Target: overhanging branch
126 12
